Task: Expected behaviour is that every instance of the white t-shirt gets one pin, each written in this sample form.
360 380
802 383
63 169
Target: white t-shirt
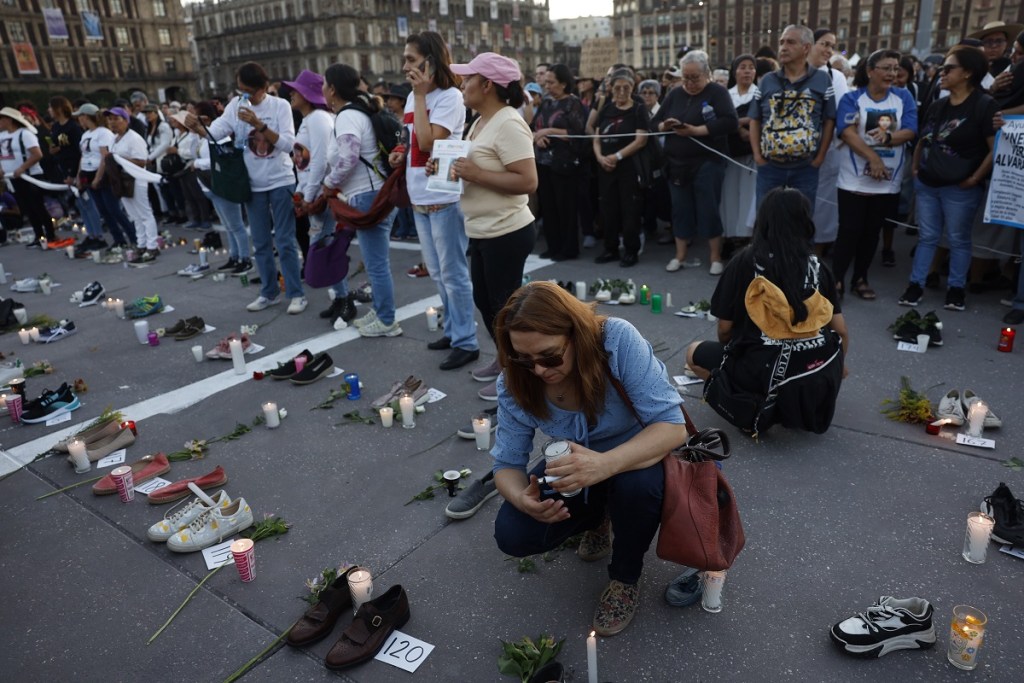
130 146
90 144
445 108
896 111
505 139
352 141
269 166
11 146
310 152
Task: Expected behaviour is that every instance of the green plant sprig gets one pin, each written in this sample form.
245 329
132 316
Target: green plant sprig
428 493
524 657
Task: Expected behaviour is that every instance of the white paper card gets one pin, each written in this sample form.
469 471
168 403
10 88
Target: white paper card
115 458
254 348
167 309
148 487
208 328
1010 550
967 440
683 380
218 555
66 417
907 346
336 371
433 395
404 651
446 153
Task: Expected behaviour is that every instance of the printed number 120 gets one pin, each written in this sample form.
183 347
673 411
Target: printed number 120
396 647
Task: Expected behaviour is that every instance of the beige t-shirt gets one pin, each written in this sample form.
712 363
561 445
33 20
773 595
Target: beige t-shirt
505 139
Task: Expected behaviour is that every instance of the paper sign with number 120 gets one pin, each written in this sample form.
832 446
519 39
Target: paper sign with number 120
404 651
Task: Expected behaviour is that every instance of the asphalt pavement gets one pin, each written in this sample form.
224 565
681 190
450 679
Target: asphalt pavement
871 508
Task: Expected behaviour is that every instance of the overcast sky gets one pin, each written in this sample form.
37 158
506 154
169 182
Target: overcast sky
564 9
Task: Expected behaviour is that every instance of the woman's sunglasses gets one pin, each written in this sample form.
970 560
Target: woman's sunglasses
552 361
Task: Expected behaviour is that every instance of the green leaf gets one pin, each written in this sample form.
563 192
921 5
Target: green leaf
508 667
1014 463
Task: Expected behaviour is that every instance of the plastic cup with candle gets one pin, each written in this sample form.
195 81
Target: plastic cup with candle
142 331
33 333
24 336
69 252
408 406
300 363
79 457
45 286
432 319
711 601
451 481
387 416
97 256
966 633
271 415
656 303
482 431
17 386
119 308
14 403
125 483
21 315
243 551
352 381
922 342
153 338
237 356
976 418
581 290
979 531
592 658
197 353
1006 337
360 586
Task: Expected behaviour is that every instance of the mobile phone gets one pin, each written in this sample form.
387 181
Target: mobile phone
424 63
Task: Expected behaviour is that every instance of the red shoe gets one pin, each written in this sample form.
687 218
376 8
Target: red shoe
180 489
419 270
143 469
60 244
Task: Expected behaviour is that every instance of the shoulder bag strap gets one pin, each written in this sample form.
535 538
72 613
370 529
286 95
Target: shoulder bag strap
690 428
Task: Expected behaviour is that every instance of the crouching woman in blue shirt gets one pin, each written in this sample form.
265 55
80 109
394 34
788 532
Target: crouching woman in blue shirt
558 359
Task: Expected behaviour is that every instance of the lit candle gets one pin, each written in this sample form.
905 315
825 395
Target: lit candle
967 630
1006 336
482 431
387 416
592 658
432 319
360 585
202 256
979 530
711 601
3 401
33 333
935 428
142 331
976 418
408 407
119 308
271 415
237 356
79 457
25 336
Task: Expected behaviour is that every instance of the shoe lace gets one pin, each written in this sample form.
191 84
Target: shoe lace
199 522
174 516
874 614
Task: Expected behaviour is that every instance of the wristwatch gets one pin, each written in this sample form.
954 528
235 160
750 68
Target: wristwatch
264 128
618 155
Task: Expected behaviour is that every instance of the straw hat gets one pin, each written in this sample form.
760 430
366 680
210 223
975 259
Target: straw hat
12 113
1011 30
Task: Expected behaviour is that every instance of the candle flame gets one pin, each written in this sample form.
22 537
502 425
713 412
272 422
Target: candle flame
593 633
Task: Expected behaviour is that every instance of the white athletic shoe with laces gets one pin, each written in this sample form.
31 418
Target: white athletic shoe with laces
211 527
181 515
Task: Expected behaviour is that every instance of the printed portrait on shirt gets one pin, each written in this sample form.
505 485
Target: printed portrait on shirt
884 120
259 145
300 156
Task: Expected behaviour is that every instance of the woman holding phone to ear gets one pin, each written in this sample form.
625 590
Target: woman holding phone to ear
435 111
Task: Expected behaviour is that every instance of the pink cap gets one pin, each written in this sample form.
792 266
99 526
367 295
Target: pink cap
491 66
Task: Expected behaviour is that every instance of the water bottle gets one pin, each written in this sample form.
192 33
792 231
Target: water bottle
707 111
243 103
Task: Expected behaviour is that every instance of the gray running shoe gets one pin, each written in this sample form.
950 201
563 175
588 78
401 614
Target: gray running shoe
472 498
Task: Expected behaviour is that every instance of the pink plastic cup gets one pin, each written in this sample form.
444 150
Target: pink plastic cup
300 362
14 407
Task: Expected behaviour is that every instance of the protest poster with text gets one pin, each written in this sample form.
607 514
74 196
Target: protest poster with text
1003 205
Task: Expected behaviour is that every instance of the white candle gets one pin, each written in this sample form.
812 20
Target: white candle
668 299
3 401
408 407
387 416
976 418
142 331
592 658
25 336
33 333
581 290
45 285
432 319
79 456
202 256
979 530
360 585
237 356
70 251
119 308
712 598
271 415
482 431
197 353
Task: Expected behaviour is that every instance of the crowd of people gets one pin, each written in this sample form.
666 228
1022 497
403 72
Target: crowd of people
810 161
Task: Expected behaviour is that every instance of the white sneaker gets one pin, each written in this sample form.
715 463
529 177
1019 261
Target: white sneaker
628 295
193 269
950 408
991 421
211 527
673 265
297 305
375 328
177 519
262 303
369 318
716 268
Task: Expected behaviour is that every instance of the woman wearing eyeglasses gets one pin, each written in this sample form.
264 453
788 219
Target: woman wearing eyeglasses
560 363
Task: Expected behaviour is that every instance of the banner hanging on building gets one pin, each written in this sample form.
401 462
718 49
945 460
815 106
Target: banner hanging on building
469 9
494 9
484 38
1003 204
55 26
432 25
25 58
515 10
403 27
91 26
415 4
508 33
443 8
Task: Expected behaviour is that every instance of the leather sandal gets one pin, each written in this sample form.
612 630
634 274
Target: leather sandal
319 619
371 627
864 291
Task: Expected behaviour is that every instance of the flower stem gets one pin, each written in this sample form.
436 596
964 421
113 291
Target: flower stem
54 493
182 605
252 662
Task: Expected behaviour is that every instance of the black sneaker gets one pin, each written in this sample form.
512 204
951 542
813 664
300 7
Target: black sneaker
1008 512
92 294
63 329
287 370
332 310
912 295
888 625
244 267
50 405
230 264
888 258
320 366
347 310
933 328
907 327
472 498
955 299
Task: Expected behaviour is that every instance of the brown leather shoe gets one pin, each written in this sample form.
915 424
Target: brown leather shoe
104 447
90 435
373 624
319 619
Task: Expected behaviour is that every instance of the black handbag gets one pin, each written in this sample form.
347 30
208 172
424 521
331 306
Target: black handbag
230 177
172 165
649 163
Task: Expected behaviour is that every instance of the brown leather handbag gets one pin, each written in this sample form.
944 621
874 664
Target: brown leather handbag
700 521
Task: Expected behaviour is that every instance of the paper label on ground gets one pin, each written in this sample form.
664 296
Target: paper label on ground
148 487
907 346
683 380
404 651
115 458
978 441
167 309
336 371
254 348
218 555
1010 550
66 417
433 395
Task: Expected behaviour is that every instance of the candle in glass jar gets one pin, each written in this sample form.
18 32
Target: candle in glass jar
119 307
1006 336
967 631
360 585
79 457
432 319
24 336
271 415
976 418
408 407
482 431
979 531
387 416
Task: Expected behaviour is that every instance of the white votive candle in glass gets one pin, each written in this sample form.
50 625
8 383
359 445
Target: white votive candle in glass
408 407
482 431
432 319
976 418
711 601
360 585
142 331
119 307
33 334
237 356
966 633
387 416
79 457
270 414
197 353
24 336
979 531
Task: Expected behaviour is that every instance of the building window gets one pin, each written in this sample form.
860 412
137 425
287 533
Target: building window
16 30
83 6
906 44
865 15
61 66
121 35
159 8
96 66
164 34
128 66
909 26
170 66
116 7
885 29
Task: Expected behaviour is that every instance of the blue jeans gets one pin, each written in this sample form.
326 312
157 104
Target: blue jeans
375 245
948 209
695 204
271 217
803 178
90 213
406 223
121 229
230 215
443 242
632 500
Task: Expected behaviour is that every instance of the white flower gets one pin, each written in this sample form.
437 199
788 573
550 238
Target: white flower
282 412
421 409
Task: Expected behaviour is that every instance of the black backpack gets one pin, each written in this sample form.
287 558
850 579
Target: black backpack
387 129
